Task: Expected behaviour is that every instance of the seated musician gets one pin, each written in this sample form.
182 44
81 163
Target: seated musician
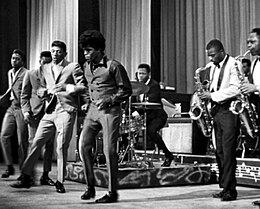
156 117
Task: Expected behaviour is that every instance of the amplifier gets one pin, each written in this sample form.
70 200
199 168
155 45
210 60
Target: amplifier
177 135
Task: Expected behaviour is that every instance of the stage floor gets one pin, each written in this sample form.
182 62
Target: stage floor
177 197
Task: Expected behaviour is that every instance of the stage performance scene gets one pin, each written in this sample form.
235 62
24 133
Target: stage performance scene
130 104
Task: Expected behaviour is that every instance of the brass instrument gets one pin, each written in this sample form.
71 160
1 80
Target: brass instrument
244 108
199 108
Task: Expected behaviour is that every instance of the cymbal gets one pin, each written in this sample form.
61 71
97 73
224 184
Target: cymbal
139 88
147 105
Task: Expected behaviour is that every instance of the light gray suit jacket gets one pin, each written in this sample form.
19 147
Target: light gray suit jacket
69 73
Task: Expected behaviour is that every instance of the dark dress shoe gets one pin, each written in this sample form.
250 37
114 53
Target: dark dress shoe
229 196
9 171
47 181
89 193
255 203
167 162
24 182
60 187
108 198
219 194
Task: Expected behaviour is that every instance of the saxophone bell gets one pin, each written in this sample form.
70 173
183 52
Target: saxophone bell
237 107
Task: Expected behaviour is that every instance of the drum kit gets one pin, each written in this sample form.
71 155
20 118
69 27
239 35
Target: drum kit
131 126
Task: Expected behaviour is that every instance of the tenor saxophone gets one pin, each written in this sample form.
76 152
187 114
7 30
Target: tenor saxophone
244 108
199 111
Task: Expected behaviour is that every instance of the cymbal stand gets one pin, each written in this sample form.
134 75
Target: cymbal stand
147 163
130 147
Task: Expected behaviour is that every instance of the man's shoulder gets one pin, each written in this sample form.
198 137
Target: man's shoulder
153 82
113 63
71 65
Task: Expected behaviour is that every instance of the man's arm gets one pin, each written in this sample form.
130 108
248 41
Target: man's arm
26 96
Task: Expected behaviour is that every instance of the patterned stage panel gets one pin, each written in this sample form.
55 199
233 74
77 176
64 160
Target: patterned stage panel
145 177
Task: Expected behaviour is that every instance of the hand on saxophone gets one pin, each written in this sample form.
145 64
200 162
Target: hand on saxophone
247 88
205 95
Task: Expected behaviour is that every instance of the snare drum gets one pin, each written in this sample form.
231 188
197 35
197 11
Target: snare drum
132 125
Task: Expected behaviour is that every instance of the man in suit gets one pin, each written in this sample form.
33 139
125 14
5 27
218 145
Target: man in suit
108 86
33 111
13 121
253 88
156 117
62 79
224 85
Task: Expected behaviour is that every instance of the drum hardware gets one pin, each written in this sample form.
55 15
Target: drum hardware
133 161
130 125
128 128
145 106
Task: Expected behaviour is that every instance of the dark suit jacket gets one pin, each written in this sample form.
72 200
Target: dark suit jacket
30 101
154 96
70 73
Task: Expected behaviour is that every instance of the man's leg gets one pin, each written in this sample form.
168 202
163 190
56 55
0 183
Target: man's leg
86 141
22 135
64 122
110 124
7 131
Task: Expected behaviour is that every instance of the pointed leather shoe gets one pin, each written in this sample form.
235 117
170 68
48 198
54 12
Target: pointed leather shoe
167 162
218 195
8 172
47 181
24 182
60 187
108 198
89 193
229 196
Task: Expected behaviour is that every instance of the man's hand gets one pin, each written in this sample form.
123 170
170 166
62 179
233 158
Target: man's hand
205 95
60 87
42 92
247 88
27 117
104 103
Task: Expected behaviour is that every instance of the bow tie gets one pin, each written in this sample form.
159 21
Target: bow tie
95 66
100 65
217 65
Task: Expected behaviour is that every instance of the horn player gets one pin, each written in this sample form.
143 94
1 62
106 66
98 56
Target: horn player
224 87
253 87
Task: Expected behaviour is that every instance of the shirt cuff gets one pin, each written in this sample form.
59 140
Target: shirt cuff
70 88
26 114
258 88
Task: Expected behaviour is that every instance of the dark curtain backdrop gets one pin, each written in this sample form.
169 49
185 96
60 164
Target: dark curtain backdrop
12 35
88 19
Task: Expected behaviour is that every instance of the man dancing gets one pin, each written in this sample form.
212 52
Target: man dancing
108 86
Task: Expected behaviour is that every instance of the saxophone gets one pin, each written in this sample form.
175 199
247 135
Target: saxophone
199 108
244 108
